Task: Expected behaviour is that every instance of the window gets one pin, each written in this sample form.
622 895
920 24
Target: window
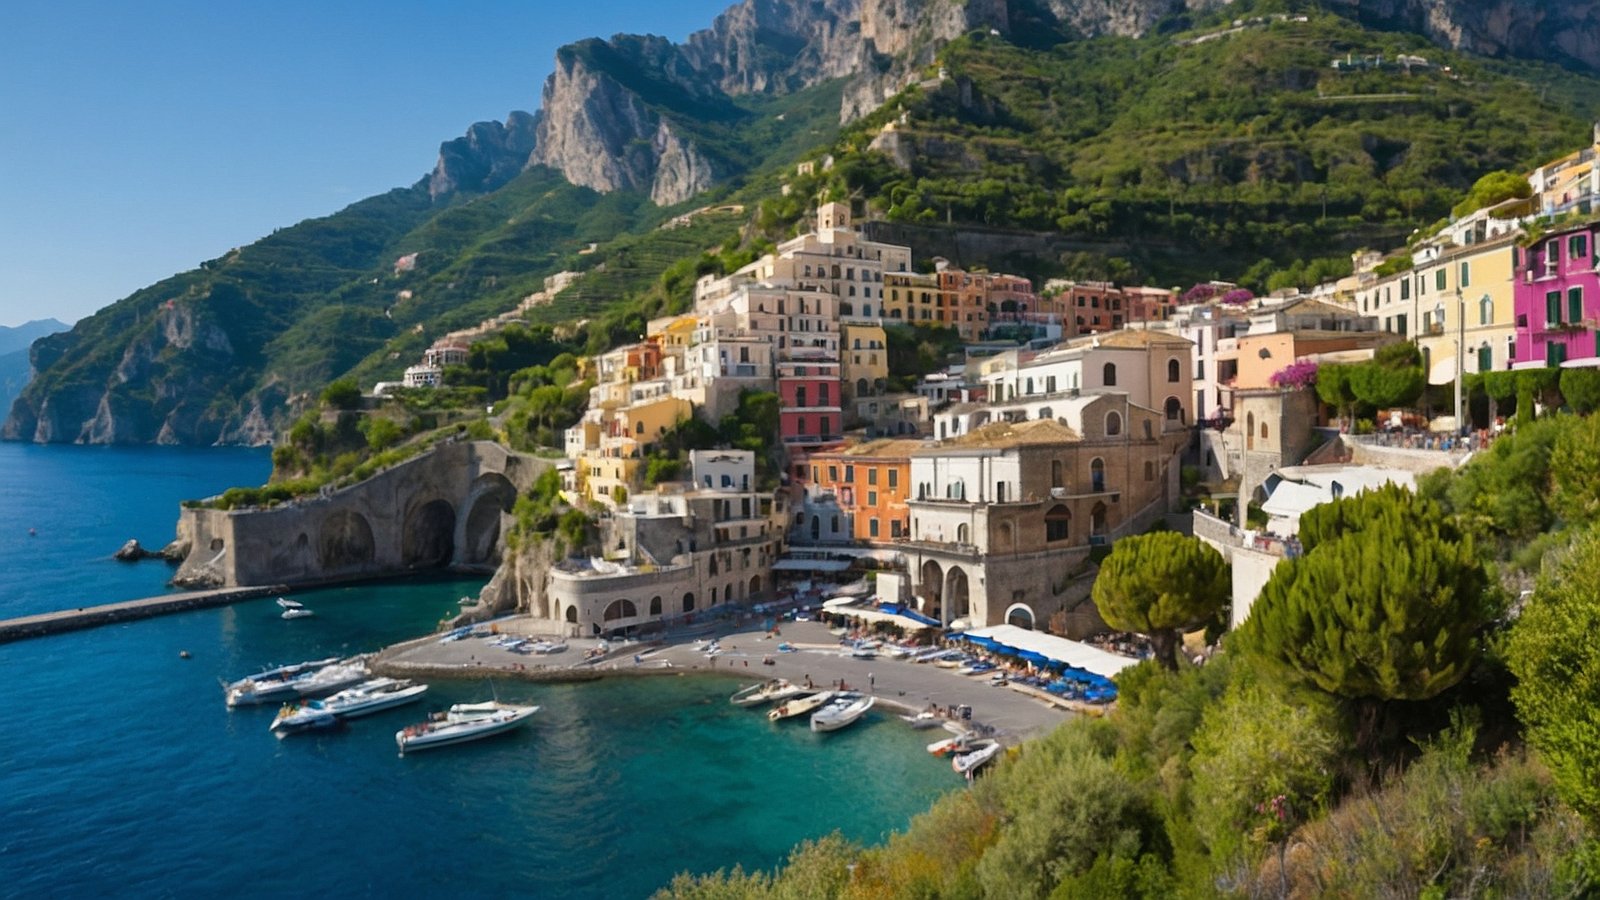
1575 304
872 527
1113 424
1552 308
1552 254
1172 371
850 474
1578 245
1485 310
872 498
963 534
1466 276
1109 375
999 492
894 479
800 395
1055 474
1097 474
1485 358
833 474
800 428
1439 278
1555 353
1263 431
1174 410
1405 289
1057 523
872 475
823 429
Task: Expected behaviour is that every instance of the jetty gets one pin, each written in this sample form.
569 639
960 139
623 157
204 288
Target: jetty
43 624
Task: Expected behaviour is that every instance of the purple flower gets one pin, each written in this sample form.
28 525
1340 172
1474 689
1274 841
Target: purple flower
1297 375
1238 297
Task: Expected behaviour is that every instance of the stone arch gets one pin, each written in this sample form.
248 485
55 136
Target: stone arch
655 605
344 541
755 586
1020 615
931 586
492 495
688 602
427 539
572 615
620 608
957 592
1174 410
1058 523
1113 423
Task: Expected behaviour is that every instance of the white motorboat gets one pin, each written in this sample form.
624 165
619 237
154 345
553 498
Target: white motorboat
799 706
332 678
299 612
273 684
865 650
924 719
290 604
364 699
464 722
766 692
976 755
958 743
549 646
843 710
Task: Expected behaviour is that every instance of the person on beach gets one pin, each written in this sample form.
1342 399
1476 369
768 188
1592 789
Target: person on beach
872 682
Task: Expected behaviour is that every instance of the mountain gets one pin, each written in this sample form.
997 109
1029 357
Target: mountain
1070 136
15 367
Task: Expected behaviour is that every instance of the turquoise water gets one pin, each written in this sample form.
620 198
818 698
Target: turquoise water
123 773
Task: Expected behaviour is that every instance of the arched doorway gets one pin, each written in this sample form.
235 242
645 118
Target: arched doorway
931 587
621 608
1020 615
491 496
755 586
956 594
428 538
1097 520
688 602
344 541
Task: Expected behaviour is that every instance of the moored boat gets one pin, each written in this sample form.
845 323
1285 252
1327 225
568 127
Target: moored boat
464 722
364 699
924 719
766 692
297 612
332 678
289 604
957 743
799 706
976 755
843 710
273 685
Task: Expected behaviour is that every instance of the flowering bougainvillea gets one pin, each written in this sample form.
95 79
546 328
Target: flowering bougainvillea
1200 293
1238 297
1297 375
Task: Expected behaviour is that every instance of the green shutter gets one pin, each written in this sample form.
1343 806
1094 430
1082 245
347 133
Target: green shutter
1552 308
1575 304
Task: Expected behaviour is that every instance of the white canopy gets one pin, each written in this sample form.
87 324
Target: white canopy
1443 370
1082 656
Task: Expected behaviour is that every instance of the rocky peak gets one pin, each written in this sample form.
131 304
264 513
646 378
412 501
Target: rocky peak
1561 31
489 155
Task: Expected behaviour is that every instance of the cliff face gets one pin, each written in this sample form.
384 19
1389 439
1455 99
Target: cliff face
1560 31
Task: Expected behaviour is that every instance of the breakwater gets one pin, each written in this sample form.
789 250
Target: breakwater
48 623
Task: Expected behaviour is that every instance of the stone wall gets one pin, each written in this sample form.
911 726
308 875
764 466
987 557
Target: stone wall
447 507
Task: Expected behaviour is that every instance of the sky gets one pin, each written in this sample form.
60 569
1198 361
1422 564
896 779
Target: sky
140 139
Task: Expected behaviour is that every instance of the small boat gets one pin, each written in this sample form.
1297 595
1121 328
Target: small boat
464 722
766 692
290 604
977 667
952 662
549 646
799 706
977 754
896 651
296 718
865 650
843 710
924 719
935 654
273 684
332 678
297 613
957 743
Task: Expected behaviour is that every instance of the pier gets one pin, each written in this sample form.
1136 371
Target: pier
90 616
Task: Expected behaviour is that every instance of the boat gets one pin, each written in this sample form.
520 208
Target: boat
924 719
290 604
364 699
958 742
952 662
799 706
976 667
463 722
843 710
332 678
766 692
272 685
864 650
299 612
977 754
543 646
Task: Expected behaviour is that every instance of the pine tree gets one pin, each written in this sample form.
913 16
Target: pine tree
1158 583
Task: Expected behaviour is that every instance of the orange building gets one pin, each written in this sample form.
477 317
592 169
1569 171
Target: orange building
871 483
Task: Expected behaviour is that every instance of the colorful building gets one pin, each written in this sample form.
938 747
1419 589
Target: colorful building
1558 299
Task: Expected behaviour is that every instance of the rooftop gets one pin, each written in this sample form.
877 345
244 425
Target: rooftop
1004 435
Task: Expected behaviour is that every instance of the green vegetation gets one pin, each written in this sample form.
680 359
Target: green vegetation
1495 187
1160 584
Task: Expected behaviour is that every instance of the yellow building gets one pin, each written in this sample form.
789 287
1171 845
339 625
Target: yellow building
864 360
1451 294
911 299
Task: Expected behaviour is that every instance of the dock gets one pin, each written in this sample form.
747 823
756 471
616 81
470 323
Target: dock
56 622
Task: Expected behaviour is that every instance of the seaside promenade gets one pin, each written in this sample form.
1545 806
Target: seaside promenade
42 624
899 685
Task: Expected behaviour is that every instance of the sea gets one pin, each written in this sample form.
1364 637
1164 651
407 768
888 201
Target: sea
123 774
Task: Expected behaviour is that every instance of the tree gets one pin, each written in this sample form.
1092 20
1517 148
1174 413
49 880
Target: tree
1581 389
1382 386
1158 583
342 394
1575 470
1553 652
1493 188
1334 389
1389 604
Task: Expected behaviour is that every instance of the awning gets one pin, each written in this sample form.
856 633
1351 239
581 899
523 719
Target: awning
872 615
1586 362
1529 364
810 565
1443 370
1049 647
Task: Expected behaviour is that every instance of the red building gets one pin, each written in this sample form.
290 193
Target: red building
811 410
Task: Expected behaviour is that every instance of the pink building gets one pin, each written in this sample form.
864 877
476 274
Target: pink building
810 395
1557 299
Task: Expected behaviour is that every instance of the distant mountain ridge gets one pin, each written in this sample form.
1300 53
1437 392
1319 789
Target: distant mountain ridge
634 130
20 337
15 366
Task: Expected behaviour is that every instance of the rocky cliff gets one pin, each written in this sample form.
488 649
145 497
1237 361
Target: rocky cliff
1561 31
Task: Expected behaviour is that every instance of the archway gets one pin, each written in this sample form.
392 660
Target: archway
862 387
1020 615
491 496
1097 520
957 593
655 606
755 586
620 608
688 602
572 615
427 540
344 541
931 588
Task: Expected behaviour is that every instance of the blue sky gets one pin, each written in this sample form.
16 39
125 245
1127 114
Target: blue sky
137 140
